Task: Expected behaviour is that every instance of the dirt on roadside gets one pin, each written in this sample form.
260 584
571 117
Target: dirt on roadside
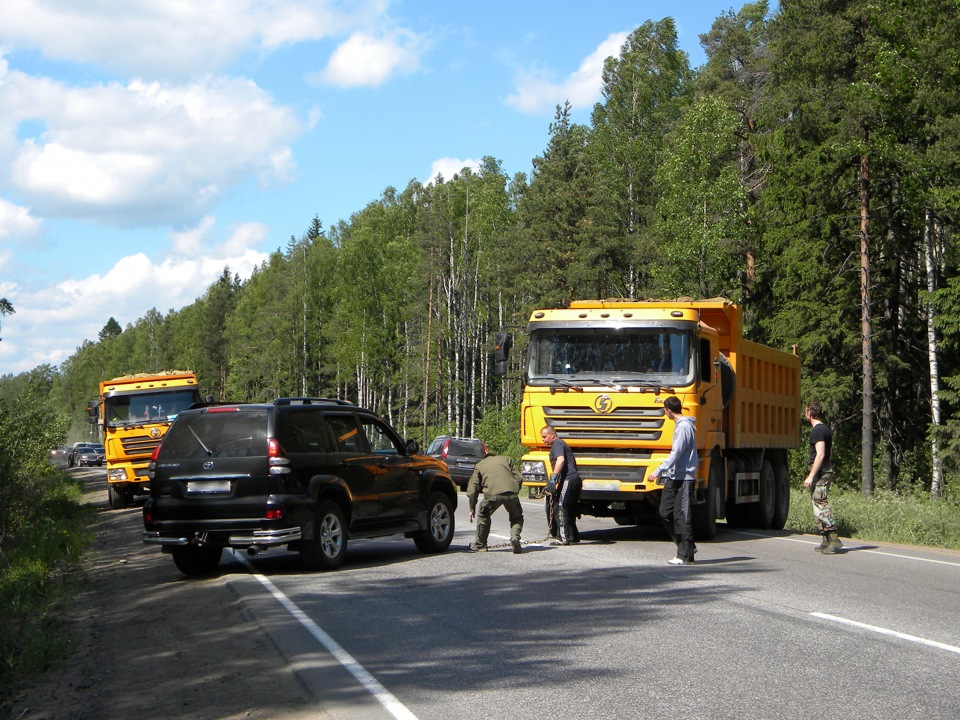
153 644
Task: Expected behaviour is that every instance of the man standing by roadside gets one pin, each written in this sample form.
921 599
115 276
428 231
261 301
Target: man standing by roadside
820 477
563 466
499 482
680 470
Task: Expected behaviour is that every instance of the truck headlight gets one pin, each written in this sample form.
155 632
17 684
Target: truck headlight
117 474
533 467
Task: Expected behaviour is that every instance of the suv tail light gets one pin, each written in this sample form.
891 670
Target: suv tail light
153 461
277 461
446 447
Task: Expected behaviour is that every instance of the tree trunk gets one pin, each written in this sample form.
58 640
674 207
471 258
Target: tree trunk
936 480
866 328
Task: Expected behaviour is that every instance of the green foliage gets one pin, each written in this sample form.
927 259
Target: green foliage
743 178
42 537
909 519
28 429
500 431
700 214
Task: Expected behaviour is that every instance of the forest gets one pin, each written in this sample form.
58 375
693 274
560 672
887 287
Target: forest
809 170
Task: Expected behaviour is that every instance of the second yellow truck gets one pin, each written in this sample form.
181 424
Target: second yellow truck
599 370
134 412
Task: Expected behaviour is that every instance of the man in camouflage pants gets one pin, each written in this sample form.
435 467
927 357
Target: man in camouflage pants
820 477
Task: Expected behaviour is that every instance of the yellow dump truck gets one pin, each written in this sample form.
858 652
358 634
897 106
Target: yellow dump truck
599 371
134 412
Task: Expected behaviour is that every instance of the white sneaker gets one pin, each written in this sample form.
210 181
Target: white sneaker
679 561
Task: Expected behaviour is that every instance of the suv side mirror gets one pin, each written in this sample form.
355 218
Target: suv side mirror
501 353
412 447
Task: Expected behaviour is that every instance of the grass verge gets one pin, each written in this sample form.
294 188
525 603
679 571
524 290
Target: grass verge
884 517
40 571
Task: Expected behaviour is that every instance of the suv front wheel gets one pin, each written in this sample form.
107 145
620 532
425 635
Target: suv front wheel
440 525
328 547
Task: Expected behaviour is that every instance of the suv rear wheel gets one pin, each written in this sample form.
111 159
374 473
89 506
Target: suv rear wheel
197 561
328 548
439 533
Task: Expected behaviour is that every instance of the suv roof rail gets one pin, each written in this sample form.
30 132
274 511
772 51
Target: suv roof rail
311 401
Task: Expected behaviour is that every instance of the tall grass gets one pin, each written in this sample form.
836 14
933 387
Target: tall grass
912 519
39 576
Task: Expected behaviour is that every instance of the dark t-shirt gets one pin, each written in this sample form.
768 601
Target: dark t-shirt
569 470
820 432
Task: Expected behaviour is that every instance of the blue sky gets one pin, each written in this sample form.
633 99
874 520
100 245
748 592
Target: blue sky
145 145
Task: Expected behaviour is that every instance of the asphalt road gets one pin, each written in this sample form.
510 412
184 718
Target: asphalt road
761 627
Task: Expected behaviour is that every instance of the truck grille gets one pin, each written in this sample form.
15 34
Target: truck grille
624 424
139 445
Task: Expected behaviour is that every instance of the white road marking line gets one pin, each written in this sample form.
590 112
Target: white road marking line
389 702
851 547
885 631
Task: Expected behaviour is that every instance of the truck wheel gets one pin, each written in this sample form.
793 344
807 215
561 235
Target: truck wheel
782 507
705 513
197 561
440 524
328 548
116 497
762 512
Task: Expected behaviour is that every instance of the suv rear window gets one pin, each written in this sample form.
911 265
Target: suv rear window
465 449
244 434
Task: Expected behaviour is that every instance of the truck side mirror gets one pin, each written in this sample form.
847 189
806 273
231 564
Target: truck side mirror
501 353
92 411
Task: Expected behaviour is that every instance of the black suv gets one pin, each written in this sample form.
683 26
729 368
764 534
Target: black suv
306 473
460 454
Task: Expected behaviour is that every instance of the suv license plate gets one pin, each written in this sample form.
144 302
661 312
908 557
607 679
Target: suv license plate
208 486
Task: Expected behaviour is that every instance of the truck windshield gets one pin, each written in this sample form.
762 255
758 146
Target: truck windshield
624 356
146 407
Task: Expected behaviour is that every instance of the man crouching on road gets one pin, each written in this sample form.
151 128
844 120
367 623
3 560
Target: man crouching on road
499 482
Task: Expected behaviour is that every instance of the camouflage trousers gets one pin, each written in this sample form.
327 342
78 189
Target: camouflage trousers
822 511
489 505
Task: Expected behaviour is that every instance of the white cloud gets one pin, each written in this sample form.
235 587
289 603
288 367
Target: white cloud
17 224
51 322
447 167
536 93
141 153
172 39
365 60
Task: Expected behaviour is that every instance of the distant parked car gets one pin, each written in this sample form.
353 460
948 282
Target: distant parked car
88 456
72 452
460 454
58 456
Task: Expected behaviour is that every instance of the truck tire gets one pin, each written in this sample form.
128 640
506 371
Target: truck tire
440 525
762 512
728 381
782 506
328 547
116 497
197 561
705 513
